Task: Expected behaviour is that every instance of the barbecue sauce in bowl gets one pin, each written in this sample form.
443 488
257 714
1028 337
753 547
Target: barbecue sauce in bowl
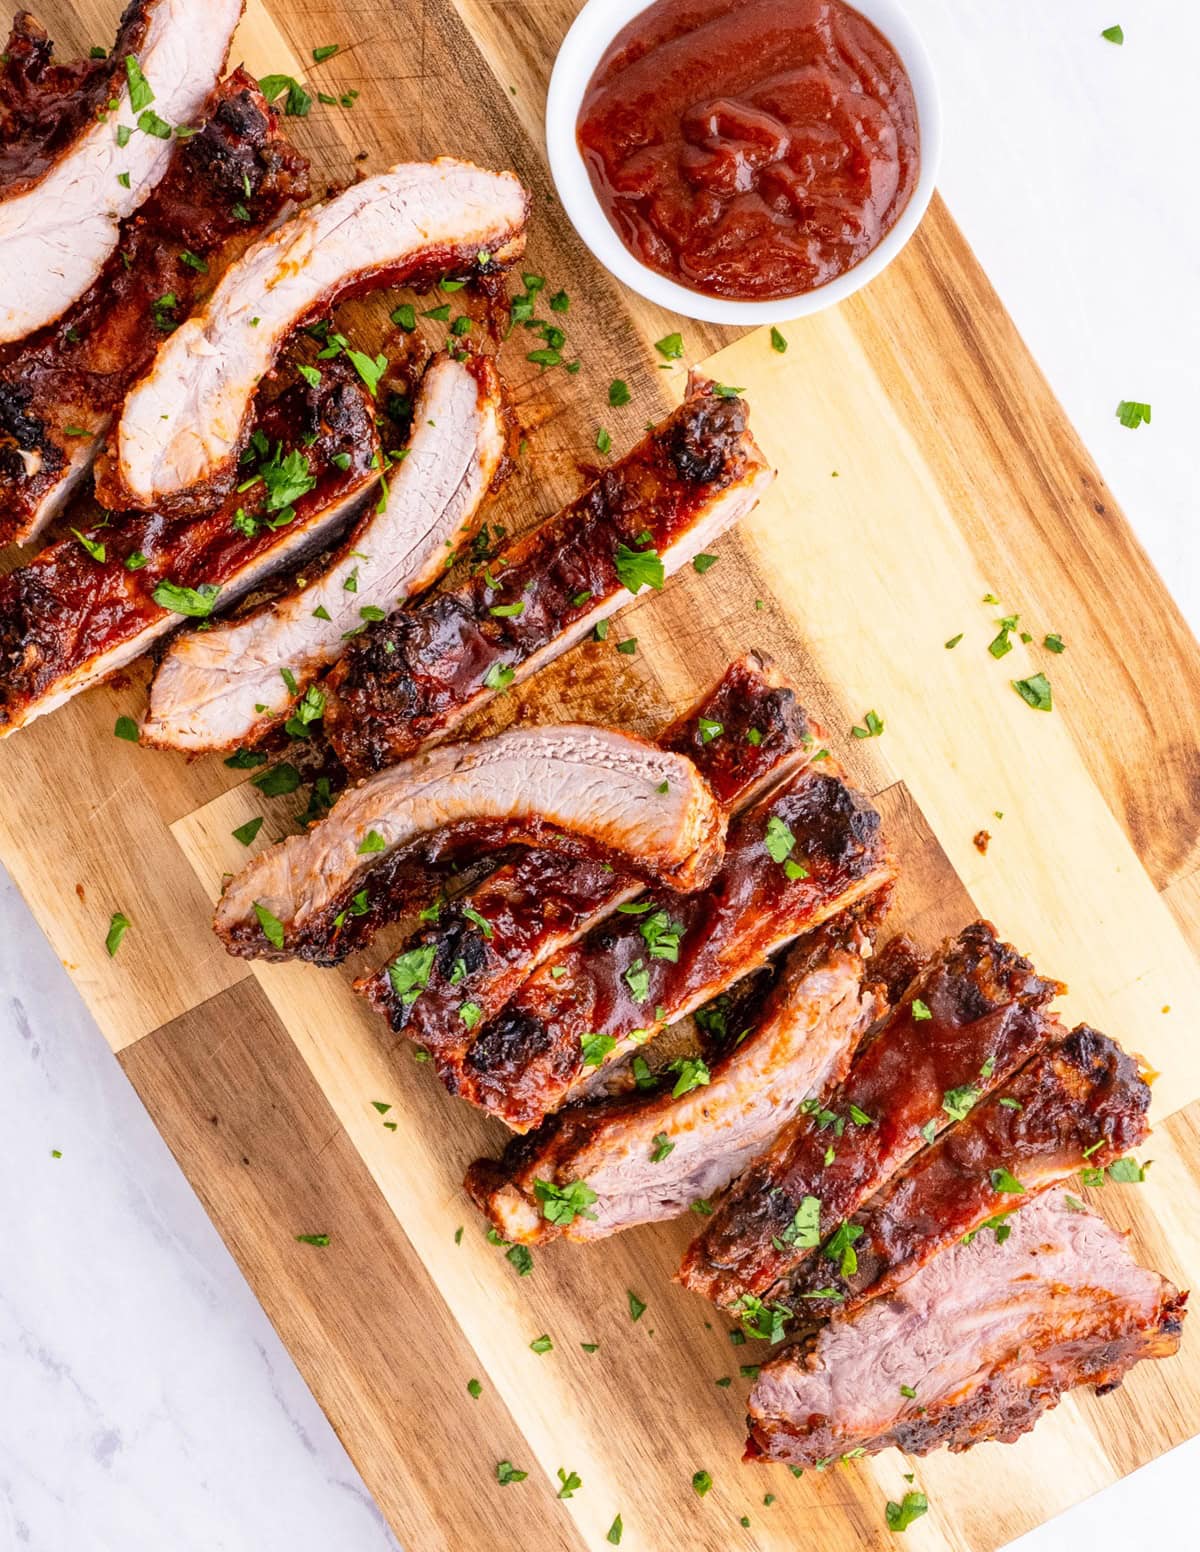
751 149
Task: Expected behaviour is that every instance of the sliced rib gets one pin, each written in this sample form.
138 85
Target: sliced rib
184 424
410 680
70 618
486 942
225 688
586 791
972 1018
58 391
610 992
63 172
650 1156
1080 1103
988 1335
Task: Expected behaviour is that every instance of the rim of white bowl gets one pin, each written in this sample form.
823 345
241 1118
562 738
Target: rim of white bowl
582 49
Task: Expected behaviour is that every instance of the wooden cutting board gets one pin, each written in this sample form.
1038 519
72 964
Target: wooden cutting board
923 465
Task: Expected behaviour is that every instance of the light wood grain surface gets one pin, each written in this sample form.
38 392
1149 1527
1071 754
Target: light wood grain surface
923 464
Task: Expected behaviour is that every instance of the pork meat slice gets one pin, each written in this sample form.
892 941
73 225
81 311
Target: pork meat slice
1079 1104
977 1345
486 941
89 605
410 680
650 1156
583 790
58 391
227 687
185 422
974 1016
636 973
74 168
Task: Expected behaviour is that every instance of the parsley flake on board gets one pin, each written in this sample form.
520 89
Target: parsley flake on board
541 1344
618 393
702 563
873 727
636 1307
1113 34
778 342
702 1483
127 729
615 1531
571 1483
1035 692
246 833
118 926
506 1472
475 1389
671 347
320 1240
278 782
1054 643
900 1515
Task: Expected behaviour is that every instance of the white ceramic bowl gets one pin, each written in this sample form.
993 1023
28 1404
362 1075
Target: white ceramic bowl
594 29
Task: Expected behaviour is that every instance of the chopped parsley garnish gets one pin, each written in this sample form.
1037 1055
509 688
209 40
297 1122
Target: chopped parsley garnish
1127 1172
709 730
724 391
194 261
767 1322
1035 692
1113 34
663 1148
150 124
499 676
908 1392
136 561
474 1388
840 1248
860 1117
278 781
919 1011
371 842
780 840
615 1531
196 602
405 317
872 729
127 729
520 1257
246 759
701 1483
571 1482
661 936
320 1240
671 348
506 1472
309 709
636 1308
603 442
1054 643
541 1344
1133 414
480 920
298 101
628 646
140 93
470 1013
326 51
271 926
560 302
778 342
804 1230
693 1074
900 1515
595 1048
1006 1184
247 832
94 547
618 393
508 611
953 642
639 568
637 978
117 928
409 972
957 1103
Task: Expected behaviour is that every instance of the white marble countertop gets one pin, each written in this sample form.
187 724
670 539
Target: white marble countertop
145 1402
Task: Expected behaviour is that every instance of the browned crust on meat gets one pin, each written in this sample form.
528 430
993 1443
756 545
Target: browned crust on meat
66 608
224 186
524 1064
1002 1408
542 897
1082 1102
407 679
983 1018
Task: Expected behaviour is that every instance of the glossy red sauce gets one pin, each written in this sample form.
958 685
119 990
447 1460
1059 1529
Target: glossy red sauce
751 149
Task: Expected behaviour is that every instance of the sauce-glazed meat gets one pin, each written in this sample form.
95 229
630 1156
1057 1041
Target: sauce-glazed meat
972 1018
184 424
83 146
411 679
58 390
229 687
90 605
486 941
1080 1103
805 853
977 1345
649 1156
585 791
